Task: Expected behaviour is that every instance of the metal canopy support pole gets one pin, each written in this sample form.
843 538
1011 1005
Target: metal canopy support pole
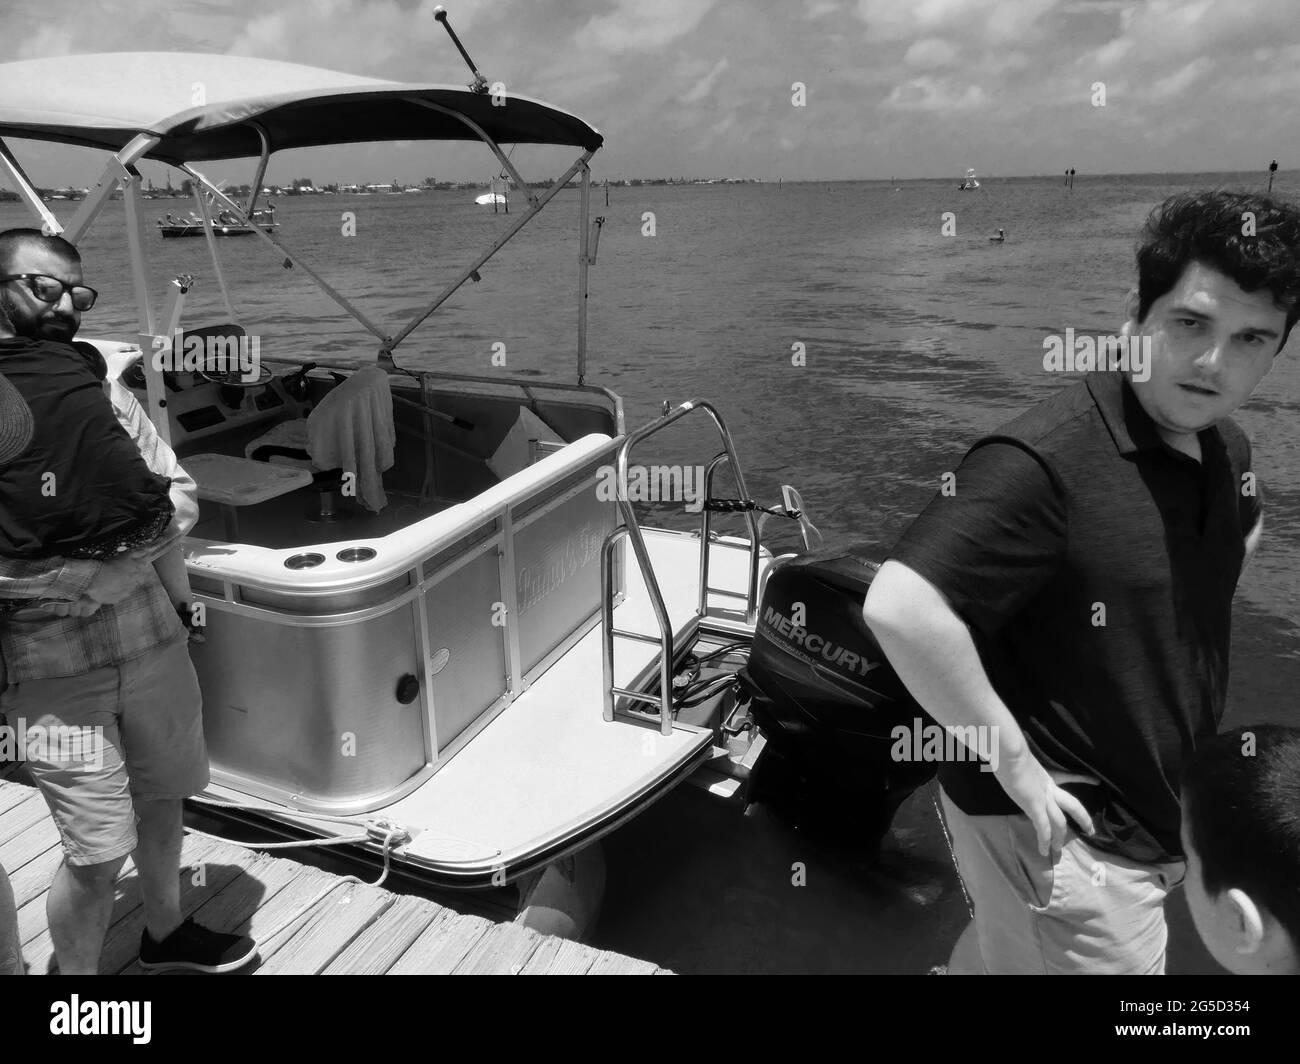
156 391
258 231
211 239
261 168
135 243
116 172
583 263
509 234
49 223
496 149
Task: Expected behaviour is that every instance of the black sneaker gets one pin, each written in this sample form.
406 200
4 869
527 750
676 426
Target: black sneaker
194 946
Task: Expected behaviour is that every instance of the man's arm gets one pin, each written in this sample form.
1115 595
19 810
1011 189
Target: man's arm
973 560
1252 543
931 649
160 458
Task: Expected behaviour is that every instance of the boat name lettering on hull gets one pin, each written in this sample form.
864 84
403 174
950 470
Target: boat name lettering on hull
567 557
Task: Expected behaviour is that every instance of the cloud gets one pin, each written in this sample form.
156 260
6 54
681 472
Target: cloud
930 53
704 86
931 94
641 26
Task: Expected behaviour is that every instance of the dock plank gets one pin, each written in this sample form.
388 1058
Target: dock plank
21 817
341 917
230 908
355 929
617 964
219 866
504 950
303 885
388 938
442 946
559 956
29 845
12 794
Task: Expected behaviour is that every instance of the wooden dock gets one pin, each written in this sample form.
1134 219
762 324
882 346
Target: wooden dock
355 930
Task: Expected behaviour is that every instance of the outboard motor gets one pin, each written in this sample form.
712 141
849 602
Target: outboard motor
827 700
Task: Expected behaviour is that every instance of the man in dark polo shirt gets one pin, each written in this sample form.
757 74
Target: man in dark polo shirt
1073 596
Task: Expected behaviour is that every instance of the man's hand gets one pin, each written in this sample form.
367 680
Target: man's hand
115 580
1046 804
151 552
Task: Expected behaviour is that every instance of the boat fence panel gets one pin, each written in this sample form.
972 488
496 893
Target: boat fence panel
311 711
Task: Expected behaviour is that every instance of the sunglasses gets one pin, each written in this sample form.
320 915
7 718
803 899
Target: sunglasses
50 289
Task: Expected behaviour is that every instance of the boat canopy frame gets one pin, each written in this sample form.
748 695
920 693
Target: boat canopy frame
121 171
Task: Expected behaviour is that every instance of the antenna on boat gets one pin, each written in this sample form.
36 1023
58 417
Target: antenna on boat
480 82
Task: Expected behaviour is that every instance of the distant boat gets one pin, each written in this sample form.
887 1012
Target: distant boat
494 199
1001 238
970 181
223 224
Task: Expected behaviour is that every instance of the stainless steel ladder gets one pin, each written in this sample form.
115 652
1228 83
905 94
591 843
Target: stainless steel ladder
632 530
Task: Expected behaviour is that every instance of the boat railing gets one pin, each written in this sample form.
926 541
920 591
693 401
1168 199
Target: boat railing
631 529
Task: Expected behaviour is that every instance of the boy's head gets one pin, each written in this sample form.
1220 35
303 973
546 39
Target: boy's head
1217 295
1241 832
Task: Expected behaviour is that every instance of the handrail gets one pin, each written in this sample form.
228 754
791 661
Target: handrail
632 529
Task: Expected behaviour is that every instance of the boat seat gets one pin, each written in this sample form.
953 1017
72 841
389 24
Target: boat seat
286 443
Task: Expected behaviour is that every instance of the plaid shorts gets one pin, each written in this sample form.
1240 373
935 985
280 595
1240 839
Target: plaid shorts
98 742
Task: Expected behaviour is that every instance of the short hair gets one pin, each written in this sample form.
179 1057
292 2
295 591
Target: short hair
14 240
1207 227
1243 816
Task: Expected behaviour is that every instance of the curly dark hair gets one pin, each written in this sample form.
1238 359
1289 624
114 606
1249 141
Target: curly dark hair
1207 227
1244 817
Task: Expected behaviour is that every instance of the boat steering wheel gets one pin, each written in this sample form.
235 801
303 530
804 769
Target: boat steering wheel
233 378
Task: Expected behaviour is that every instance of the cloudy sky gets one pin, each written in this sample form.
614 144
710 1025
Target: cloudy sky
912 88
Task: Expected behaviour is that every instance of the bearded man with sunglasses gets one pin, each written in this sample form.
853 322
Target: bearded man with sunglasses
96 647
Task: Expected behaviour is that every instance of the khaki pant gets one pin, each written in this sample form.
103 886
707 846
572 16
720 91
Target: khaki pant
1089 913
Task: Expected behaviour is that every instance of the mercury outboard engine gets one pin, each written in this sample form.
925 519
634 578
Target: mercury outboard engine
827 700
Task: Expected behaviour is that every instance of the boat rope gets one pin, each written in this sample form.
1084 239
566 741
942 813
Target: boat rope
733 506
390 836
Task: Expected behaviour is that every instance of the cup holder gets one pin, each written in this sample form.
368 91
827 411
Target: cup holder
356 554
304 561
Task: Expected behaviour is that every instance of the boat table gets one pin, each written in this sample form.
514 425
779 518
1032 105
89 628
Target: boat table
232 482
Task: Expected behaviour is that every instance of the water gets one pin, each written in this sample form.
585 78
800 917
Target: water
916 344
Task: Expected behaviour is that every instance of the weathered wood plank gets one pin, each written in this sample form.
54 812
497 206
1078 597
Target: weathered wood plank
617 964
33 879
13 794
28 846
384 942
355 929
559 956
339 919
504 950
231 907
442 946
216 865
21 817
303 885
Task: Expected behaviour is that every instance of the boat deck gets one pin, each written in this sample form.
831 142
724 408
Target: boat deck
354 930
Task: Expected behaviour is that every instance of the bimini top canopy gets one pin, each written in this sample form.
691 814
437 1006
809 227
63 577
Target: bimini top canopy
205 107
